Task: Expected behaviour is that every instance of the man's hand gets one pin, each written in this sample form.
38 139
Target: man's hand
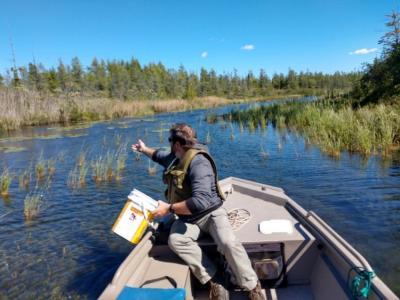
161 210
140 146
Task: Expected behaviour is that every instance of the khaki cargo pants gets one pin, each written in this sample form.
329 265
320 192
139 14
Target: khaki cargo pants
183 241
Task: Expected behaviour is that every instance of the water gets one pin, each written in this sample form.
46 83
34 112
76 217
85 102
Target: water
69 250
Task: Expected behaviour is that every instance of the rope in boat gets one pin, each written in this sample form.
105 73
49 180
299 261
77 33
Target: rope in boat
238 217
361 283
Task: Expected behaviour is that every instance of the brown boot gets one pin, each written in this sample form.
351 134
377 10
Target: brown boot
218 291
257 293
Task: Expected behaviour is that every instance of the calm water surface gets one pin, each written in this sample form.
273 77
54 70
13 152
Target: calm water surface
69 250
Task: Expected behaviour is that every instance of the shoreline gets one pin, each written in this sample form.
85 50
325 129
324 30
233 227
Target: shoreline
22 109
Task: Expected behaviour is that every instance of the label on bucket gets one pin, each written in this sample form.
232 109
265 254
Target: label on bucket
135 216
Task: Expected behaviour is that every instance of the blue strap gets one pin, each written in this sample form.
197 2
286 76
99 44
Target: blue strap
129 293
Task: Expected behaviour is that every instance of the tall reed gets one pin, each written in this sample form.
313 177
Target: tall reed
5 182
333 126
25 178
32 206
40 167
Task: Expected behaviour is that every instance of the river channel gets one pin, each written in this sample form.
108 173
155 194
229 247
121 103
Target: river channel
68 250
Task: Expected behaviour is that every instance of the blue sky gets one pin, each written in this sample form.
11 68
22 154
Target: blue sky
312 35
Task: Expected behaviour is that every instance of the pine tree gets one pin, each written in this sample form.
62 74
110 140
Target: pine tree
391 39
62 75
76 74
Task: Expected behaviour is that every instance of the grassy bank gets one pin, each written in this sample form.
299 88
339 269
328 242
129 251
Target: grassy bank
20 107
334 127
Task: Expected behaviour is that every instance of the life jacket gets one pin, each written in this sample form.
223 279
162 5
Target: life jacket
177 188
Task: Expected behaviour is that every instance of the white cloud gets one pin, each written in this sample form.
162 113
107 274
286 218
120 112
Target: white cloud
204 54
248 47
363 51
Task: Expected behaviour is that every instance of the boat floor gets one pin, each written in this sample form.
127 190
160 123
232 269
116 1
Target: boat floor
298 292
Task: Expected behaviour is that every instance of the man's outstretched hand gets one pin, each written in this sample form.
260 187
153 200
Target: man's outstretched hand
140 146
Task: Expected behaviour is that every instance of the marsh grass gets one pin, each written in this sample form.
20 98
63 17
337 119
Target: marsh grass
40 167
32 206
121 157
24 179
211 118
5 182
51 167
22 107
332 126
250 125
77 176
99 169
83 170
109 160
109 166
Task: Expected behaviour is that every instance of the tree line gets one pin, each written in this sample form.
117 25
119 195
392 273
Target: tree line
380 82
130 79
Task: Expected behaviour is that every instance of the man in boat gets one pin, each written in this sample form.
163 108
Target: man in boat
193 194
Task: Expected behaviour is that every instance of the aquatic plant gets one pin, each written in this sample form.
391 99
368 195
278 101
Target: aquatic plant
73 178
25 178
83 170
263 123
212 118
118 175
138 155
109 166
333 126
99 169
32 205
264 154
77 176
82 158
232 135
40 167
250 125
118 139
208 138
121 158
51 167
5 182
152 168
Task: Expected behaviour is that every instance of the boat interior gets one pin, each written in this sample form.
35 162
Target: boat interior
295 254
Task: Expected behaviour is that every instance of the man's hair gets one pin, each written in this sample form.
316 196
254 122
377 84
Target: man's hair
184 134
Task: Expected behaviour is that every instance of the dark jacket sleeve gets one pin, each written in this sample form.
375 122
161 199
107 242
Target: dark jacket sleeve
163 157
202 180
